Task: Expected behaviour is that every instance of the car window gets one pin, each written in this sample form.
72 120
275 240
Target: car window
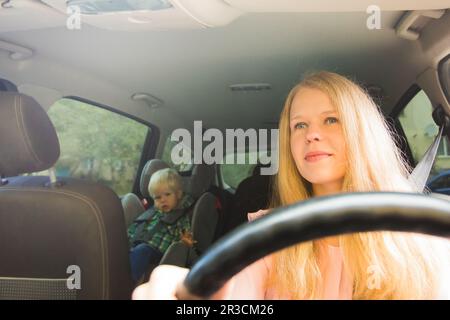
233 173
98 144
441 182
167 157
420 130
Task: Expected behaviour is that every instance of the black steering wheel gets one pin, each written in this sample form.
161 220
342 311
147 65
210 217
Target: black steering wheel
314 219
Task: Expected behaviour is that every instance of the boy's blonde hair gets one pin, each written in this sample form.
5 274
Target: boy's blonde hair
165 177
410 264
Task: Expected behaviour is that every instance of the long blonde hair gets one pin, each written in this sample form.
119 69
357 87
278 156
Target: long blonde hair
408 264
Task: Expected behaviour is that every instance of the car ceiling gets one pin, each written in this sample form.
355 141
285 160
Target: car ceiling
191 70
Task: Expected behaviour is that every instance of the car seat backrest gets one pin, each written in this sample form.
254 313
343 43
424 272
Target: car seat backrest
52 230
200 180
132 208
204 221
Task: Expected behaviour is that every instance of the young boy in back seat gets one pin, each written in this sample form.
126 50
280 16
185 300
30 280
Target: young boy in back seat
167 223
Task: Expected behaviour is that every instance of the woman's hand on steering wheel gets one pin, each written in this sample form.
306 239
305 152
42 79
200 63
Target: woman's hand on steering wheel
166 283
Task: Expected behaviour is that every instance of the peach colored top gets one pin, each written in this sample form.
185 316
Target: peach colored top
249 283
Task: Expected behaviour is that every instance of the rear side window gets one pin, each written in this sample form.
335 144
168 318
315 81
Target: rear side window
98 144
420 131
233 173
167 157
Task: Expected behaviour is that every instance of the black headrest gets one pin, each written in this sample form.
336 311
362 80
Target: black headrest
28 141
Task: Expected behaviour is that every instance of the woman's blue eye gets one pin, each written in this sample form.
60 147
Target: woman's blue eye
331 120
300 125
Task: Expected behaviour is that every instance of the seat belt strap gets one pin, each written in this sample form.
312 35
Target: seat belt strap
419 175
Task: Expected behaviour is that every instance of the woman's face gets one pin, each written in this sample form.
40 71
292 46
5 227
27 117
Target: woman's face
317 141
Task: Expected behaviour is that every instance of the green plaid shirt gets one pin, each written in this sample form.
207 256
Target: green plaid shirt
168 233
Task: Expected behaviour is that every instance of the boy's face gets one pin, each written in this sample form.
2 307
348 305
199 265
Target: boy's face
166 199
